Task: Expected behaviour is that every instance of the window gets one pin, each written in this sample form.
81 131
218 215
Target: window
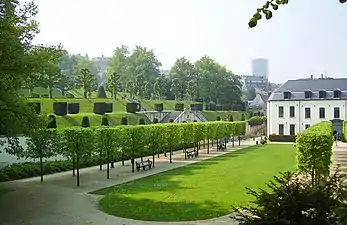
292 129
307 126
336 113
286 95
322 94
307 113
291 111
337 94
321 113
280 112
281 129
308 94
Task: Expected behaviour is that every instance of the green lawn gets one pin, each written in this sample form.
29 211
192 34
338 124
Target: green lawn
212 115
199 191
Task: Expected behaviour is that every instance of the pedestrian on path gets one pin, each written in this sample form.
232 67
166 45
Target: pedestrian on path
335 138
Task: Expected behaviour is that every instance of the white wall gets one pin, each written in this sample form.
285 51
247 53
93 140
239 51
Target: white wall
299 119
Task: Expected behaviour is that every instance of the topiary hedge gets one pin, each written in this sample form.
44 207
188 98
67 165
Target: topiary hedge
132 107
109 107
196 107
282 138
101 92
85 122
99 108
52 122
36 106
159 107
60 108
179 107
257 120
73 108
315 150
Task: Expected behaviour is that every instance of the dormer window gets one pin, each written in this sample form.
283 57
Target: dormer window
286 95
337 93
322 94
308 94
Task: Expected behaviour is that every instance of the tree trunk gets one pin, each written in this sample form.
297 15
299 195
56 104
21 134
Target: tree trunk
208 146
85 94
50 93
100 160
63 93
108 164
170 154
41 168
114 95
78 170
73 166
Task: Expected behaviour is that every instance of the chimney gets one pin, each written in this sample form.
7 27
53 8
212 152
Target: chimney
311 76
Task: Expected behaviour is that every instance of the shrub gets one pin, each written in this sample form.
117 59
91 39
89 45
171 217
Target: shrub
104 121
132 107
210 106
282 138
99 108
101 92
34 95
124 121
36 106
243 117
218 118
171 120
52 122
155 120
69 95
142 121
230 118
179 107
159 107
109 107
60 108
73 108
315 150
196 107
291 199
256 120
44 96
85 122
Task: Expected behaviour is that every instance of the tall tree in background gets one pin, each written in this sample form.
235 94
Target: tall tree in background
119 64
139 84
17 28
159 87
85 80
175 88
114 84
183 70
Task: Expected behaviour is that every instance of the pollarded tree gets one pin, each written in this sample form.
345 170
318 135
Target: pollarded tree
85 80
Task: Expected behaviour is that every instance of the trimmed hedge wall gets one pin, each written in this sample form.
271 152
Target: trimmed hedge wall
257 120
73 108
159 107
60 108
99 108
132 107
282 138
36 106
196 107
179 107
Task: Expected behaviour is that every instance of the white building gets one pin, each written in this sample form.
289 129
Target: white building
298 104
260 68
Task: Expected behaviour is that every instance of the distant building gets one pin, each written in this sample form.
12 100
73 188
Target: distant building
260 68
261 83
299 104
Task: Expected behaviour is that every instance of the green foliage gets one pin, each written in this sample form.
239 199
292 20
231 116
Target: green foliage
52 122
291 199
243 117
179 107
142 121
257 120
344 131
315 151
218 118
282 138
86 80
85 122
101 92
159 107
124 121
155 120
230 118
132 107
104 121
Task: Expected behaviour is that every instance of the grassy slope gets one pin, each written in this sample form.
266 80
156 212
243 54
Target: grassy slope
212 115
199 191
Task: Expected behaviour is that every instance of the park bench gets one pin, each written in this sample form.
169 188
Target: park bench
191 153
143 164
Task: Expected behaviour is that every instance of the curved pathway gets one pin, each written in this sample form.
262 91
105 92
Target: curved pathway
58 201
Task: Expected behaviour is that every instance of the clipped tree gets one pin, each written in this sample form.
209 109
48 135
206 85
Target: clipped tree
218 118
101 92
104 121
52 122
230 118
142 121
243 117
124 120
85 122
155 120
171 120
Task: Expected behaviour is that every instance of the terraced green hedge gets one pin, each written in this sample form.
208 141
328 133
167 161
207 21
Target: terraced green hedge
315 150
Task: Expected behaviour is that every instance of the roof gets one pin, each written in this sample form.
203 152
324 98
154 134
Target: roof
264 97
298 88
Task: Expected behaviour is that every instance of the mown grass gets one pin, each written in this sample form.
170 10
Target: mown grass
199 191
212 115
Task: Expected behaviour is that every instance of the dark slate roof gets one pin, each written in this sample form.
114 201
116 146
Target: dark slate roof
298 88
264 97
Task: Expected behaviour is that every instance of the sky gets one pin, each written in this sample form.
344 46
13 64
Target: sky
304 37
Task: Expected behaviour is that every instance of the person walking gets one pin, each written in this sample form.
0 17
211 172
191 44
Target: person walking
335 138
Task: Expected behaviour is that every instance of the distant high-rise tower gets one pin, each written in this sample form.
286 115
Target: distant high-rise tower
260 68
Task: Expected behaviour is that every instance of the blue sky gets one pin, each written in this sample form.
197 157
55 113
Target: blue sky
304 37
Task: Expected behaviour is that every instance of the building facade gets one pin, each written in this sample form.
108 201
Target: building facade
261 83
299 104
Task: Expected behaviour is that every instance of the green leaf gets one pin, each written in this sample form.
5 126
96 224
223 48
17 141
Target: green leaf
252 23
268 14
343 1
267 4
257 16
274 6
